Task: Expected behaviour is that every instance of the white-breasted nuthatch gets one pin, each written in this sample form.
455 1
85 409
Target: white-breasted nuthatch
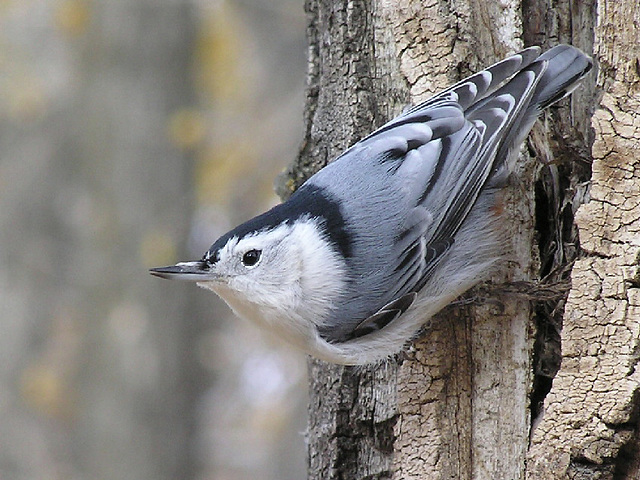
377 242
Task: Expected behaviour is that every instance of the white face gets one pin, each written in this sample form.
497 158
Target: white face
284 272
254 266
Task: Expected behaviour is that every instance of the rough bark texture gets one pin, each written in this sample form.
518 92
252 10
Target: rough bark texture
590 427
458 404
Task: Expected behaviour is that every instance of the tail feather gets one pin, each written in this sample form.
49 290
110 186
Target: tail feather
563 67
566 65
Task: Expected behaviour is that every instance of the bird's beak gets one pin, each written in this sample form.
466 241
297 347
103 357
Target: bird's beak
187 271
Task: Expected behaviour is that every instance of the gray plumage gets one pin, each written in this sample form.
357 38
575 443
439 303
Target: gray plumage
406 216
441 155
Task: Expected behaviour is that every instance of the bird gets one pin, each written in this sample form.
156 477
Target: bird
372 246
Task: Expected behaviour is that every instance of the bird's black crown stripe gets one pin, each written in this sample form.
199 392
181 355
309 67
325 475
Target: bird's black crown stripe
308 200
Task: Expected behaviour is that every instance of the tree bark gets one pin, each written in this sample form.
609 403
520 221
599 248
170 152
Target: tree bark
460 402
590 427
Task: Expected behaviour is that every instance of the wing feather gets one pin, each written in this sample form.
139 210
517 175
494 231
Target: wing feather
384 316
452 166
441 154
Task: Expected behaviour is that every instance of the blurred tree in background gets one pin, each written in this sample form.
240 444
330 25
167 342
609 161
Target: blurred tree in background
134 133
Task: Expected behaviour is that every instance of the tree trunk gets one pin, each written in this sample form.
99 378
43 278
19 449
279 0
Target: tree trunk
590 428
461 401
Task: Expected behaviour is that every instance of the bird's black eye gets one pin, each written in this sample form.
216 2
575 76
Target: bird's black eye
250 258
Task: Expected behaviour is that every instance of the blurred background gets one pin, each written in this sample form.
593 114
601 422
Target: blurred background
132 134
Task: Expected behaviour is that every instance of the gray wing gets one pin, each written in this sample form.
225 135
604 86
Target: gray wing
463 94
445 149
441 154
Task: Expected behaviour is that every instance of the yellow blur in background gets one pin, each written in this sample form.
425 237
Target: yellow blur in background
133 134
